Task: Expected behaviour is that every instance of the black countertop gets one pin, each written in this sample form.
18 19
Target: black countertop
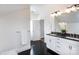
65 37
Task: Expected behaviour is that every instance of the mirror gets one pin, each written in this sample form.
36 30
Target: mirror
68 22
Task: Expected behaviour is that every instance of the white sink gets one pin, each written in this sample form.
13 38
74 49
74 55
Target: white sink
52 34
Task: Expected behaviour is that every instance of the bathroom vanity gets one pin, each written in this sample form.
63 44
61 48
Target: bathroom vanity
62 45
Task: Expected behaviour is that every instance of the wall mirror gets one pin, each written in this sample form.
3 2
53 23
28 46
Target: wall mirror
68 21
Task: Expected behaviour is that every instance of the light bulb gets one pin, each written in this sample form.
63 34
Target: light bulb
73 9
53 14
77 7
68 10
59 13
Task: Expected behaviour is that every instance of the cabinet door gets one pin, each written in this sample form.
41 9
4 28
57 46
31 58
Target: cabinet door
48 41
53 43
74 50
62 46
65 49
65 46
74 47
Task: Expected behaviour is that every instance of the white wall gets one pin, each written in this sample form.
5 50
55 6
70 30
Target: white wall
15 30
42 28
49 24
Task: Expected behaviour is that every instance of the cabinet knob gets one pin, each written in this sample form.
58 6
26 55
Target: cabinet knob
49 40
58 42
58 39
58 46
70 47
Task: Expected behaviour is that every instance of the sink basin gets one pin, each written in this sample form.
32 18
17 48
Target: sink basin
53 34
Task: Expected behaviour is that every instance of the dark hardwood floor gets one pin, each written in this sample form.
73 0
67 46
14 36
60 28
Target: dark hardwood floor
38 48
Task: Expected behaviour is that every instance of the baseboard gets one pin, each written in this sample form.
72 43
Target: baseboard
26 52
52 52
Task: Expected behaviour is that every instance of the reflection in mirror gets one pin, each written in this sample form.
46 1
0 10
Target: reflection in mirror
62 26
68 21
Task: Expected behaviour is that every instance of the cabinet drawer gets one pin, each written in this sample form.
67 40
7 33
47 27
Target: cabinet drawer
74 48
61 52
59 43
57 51
75 53
74 43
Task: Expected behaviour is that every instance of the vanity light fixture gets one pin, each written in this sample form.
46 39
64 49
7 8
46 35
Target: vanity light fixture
59 13
72 8
53 14
56 13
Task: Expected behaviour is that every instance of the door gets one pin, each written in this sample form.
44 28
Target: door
35 30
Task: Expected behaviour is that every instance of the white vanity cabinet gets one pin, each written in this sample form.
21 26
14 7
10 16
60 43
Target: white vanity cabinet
74 47
59 45
69 47
50 42
62 46
53 41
